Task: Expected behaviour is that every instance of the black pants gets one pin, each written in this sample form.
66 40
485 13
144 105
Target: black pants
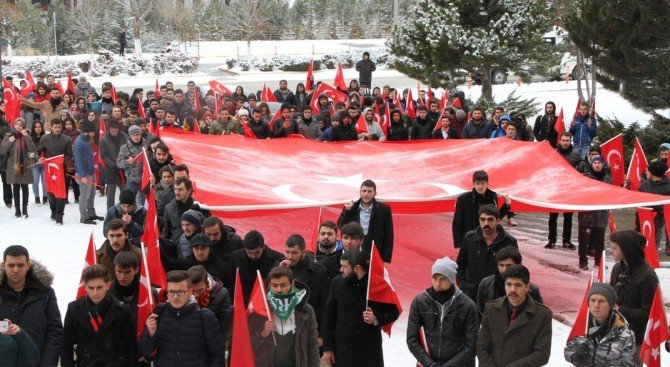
20 192
57 206
567 226
6 189
70 182
593 237
122 49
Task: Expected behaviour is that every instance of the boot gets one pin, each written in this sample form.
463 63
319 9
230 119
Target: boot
37 201
17 212
59 220
25 212
45 200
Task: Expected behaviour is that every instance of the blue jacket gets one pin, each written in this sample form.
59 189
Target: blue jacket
582 134
136 227
83 156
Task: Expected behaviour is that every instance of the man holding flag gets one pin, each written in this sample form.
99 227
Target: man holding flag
290 336
353 325
53 145
449 319
609 341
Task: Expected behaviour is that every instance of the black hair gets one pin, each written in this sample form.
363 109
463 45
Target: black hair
480 176
15 251
185 181
357 257
97 271
517 271
369 183
280 272
352 229
296 240
490 209
509 252
253 240
197 274
329 224
177 276
126 260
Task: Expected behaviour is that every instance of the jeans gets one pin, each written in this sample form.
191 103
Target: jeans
39 179
567 226
583 149
86 208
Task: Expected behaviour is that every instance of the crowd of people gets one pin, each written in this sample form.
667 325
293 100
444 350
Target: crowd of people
481 306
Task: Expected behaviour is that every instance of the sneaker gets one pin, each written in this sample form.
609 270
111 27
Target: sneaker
512 222
37 201
584 266
88 221
550 245
95 217
45 200
569 245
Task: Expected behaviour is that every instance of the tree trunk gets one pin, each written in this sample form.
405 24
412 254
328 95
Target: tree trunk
487 88
249 47
137 27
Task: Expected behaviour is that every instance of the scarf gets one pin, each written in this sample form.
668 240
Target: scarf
203 298
598 332
284 304
20 154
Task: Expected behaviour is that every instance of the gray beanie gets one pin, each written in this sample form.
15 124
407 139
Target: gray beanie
606 290
194 217
134 130
447 267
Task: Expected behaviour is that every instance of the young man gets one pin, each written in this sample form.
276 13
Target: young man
515 329
210 293
255 256
310 273
609 341
130 161
191 225
352 238
352 332
328 244
223 237
290 339
284 125
422 126
117 241
52 145
544 125
133 217
592 224
468 204
98 330
84 167
478 127
449 319
179 333
476 257
566 150
633 280
584 128
27 299
365 67
375 218
110 145
182 202
126 286
493 287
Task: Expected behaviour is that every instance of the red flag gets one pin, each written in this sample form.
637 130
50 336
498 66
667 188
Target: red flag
150 241
559 126
637 166
424 343
241 353
656 332
30 85
580 326
601 268
196 127
396 102
219 88
430 93
438 124
59 86
55 175
277 116
197 103
313 243
258 303
648 230
12 103
457 103
140 110
339 82
157 90
361 126
70 83
216 106
611 223
386 123
146 172
267 95
380 288
612 151
113 96
91 259
444 99
410 106
666 216
331 92
247 131
145 301
309 84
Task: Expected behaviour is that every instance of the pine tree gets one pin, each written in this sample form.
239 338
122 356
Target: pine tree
629 42
436 39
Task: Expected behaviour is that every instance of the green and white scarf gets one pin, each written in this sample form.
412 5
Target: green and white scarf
284 304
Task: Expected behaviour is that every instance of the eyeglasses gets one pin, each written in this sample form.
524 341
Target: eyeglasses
175 293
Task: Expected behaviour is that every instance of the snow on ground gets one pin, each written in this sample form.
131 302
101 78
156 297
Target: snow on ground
62 250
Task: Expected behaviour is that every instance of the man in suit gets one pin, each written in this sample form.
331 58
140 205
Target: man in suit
375 218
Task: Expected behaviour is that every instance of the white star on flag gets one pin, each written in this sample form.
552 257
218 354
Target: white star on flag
53 177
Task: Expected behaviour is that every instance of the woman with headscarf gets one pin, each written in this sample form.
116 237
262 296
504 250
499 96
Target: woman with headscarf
39 174
18 146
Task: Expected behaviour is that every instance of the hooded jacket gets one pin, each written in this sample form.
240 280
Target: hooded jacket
83 89
133 171
467 207
615 349
35 310
343 132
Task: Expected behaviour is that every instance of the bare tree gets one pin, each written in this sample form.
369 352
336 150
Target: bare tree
137 11
88 17
247 19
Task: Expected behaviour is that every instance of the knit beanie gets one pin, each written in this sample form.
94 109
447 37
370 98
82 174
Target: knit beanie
200 239
605 290
447 267
134 130
657 168
598 159
194 217
127 197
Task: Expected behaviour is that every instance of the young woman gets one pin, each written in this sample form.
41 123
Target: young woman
68 98
18 147
265 109
39 178
79 108
239 93
70 130
301 96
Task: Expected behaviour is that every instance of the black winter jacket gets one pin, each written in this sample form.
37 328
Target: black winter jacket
113 345
398 131
544 129
240 260
343 132
465 214
450 329
635 289
380 230
422 129
478 131
186 337
109 152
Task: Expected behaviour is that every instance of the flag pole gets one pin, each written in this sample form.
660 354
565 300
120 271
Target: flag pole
259 278
367 293
146 272
588 314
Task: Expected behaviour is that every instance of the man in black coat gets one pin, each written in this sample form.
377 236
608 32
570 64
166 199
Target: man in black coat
255 255
365 68
352 238
352 332
375 218
126 287
567 151
179 333
183 201
422 126
210 293
449 319
468 204
311 274
110 145
53 145
544 125
223 236
345 130
27 299
99 330
477 256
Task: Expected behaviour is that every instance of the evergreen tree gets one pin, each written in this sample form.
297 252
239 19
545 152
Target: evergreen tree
629 42
437 39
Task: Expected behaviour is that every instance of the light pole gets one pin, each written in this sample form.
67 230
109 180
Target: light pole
3 43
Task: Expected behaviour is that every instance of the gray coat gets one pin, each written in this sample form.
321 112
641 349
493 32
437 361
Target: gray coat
133 171
7 148
615 349
53 145
109 152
